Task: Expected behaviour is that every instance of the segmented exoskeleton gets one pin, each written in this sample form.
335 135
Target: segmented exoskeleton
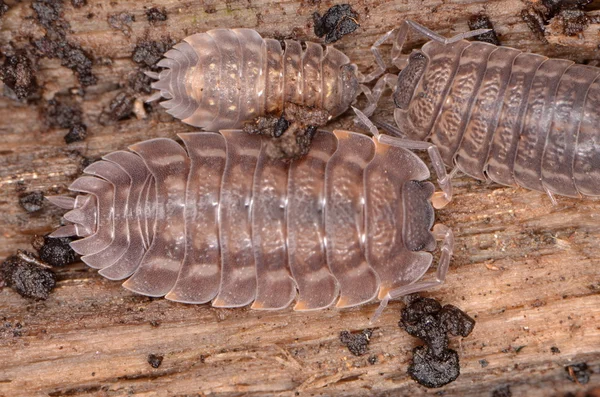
225 77
499 113
222 221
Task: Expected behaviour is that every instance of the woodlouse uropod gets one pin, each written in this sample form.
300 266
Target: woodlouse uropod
497 113
222 78
350 222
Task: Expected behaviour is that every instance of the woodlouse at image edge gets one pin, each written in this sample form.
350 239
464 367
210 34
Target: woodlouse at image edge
500 114
227 223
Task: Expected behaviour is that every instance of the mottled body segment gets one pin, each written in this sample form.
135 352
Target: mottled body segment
226 223
223 78
501 114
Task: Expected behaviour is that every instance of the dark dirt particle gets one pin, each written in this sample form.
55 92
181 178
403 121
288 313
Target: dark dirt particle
154 15
482 21
431 370
557 16
139 82
434 364
484 363
32 202
27 275
555 350
337 22
155 360
3 8
357 343
55 251
502 391
578 373
62 112
19 75
77 133
372 359
122 21
79 3
120 108
291 132
148 52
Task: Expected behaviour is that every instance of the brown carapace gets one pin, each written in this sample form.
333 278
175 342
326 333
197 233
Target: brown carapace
223 78
500 114
221 221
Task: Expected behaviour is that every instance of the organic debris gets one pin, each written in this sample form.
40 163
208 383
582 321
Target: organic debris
18 74
357 343
27 275
32 202
434 364
337 22
56 252
482 21
567 17
291 132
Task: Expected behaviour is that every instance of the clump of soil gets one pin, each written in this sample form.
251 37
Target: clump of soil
434 364
337 22
18 74
122 21
482 21
78 3
567 17
55 44
120 108
502 391
27 275
291 132
64 112
3 8
154 15
148 52
32 202
155 360
357 343
578 373
56 252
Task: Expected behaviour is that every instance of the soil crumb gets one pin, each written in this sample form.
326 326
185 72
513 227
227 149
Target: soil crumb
79 3
55 44
337 22
56 252
502 391
27 275
357 343
434 365
154 15
120 108
566 17
147 53
32 202
3 8
482 21
155 360
578 373
122 21
64 112
291 132
18 74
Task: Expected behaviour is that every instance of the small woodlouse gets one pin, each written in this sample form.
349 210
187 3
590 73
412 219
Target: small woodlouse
225 77
497 113
224 222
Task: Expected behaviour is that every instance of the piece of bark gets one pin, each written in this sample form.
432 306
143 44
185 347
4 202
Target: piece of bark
540 288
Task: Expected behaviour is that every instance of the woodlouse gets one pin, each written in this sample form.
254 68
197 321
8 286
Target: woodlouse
350 222
225 77
497 113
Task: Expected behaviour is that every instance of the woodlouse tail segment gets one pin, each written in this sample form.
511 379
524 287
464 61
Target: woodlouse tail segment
173 79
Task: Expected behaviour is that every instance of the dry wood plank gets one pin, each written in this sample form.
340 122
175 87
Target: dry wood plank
526 270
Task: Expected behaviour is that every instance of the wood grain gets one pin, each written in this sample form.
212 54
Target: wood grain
527 271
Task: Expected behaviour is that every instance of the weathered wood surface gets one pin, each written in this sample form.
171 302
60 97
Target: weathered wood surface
526 270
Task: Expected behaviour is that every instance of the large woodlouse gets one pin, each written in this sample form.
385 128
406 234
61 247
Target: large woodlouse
225 77
226 223
499 113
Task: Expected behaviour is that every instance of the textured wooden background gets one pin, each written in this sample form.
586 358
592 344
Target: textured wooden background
526 270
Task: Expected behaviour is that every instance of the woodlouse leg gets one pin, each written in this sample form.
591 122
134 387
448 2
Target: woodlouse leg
440 232
439 199
381 66
400 60
374 96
